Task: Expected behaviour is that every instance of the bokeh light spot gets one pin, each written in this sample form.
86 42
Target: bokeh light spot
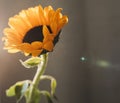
103 63
83 59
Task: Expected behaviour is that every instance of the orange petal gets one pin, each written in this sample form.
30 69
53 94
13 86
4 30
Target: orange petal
25 47
12 35
49 37
32 16
54 27
18 26
23 20
36 52
48 46
36 45
46 12
24 17
41 15
45 31
62 22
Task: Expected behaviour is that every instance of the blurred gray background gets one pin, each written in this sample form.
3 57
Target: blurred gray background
85 62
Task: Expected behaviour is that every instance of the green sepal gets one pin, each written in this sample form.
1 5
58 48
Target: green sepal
18 89
31 62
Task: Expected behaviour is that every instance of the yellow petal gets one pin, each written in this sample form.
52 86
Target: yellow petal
12 35
13 50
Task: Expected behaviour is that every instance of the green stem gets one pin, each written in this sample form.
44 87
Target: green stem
36 79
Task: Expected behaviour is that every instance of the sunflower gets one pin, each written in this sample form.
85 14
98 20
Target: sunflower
34 31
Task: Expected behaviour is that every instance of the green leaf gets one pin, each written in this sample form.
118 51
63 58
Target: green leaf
11 91
31 62
53 82
18 89
53 86
35 96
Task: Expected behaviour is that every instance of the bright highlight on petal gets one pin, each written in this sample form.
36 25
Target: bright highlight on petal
34 31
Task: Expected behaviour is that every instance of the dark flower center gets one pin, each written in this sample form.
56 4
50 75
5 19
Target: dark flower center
36 34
